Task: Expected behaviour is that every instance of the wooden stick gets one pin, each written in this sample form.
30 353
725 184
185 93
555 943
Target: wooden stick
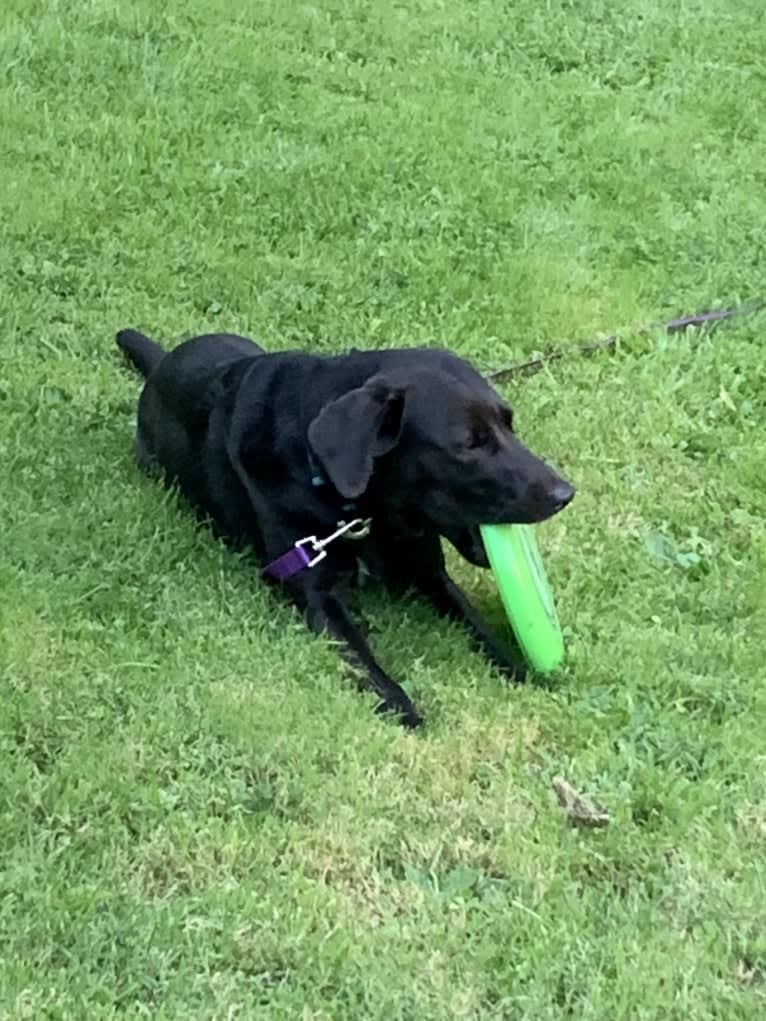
696 320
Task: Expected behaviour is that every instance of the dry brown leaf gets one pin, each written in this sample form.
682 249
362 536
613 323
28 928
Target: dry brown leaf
581 811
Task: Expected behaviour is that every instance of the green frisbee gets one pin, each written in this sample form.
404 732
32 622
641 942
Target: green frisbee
520 576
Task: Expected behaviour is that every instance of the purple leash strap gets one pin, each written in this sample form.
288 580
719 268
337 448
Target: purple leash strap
299 558
288 564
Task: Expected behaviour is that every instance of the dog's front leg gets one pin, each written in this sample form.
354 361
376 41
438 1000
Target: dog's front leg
419 564
450 601
326 613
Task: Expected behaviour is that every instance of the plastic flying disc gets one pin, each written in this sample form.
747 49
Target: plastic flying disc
520 576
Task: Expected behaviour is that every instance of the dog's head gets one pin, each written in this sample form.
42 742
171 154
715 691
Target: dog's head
438 444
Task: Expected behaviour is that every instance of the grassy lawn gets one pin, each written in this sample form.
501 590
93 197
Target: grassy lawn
201 818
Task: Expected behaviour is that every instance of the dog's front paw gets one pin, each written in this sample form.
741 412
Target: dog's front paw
502 658
406 712
512 669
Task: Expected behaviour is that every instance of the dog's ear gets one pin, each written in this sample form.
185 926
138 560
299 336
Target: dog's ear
350 432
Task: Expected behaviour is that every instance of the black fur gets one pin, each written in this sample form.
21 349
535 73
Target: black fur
415 438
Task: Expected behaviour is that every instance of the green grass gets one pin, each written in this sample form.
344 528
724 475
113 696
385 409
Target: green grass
200 817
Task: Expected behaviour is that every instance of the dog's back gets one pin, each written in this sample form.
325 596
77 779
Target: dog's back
177 399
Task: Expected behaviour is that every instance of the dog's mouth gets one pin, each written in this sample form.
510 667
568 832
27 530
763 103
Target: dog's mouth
528 516
468 543
533 511
535 508
467 538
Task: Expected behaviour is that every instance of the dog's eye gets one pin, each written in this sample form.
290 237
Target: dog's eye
479 436
506 419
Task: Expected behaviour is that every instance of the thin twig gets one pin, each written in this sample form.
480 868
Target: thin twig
697 319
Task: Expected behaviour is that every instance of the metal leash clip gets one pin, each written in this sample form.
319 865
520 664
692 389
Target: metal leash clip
359 528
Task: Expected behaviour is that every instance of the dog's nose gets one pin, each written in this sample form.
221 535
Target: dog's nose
560 495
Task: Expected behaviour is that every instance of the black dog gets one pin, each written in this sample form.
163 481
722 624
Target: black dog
399 447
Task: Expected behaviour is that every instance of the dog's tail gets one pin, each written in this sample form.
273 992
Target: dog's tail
143 352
